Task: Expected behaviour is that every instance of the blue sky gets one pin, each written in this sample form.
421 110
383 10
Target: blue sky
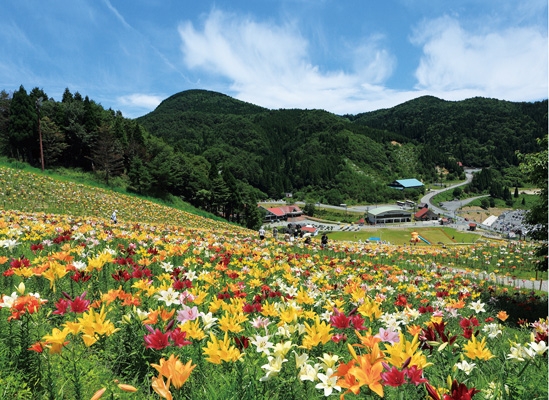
343 56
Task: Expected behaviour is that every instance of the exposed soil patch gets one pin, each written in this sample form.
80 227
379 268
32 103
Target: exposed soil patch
478 214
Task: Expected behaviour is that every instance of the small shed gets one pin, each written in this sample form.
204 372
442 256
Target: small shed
472 226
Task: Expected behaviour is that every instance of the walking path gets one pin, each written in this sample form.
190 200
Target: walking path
506 280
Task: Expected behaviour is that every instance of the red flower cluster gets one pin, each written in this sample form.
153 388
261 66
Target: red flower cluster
394 377
64 237
251 308
458 391
434 333
20 262
25 305
78 305
467 325
341 321
159 340
36 247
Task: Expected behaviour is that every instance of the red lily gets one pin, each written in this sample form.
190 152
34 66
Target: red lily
339 320
156 340
460 392
394 377
179 337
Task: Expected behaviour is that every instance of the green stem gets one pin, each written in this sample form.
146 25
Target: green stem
523 369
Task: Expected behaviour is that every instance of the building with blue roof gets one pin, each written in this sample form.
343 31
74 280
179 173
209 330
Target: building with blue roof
401 184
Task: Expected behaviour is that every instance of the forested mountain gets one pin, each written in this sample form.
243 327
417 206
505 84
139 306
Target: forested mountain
479 132
223 155
317 154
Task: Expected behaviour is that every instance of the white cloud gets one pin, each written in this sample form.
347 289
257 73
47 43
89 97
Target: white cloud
117 14
509 64
269 64
139 100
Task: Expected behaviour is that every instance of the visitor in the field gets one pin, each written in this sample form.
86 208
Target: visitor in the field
287 235
261 233
275 233
324 240
113 217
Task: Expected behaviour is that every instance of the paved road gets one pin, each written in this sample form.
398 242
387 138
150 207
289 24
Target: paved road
450 206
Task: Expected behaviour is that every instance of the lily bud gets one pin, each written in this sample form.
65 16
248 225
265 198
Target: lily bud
170 325
21 288
127 388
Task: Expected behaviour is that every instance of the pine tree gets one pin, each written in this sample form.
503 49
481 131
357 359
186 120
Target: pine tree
107 154
22 130
5 102
53 140
220 194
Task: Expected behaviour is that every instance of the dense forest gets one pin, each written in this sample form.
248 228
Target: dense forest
224 155
479 132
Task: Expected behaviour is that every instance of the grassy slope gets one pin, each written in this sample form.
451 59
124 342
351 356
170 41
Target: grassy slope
34 191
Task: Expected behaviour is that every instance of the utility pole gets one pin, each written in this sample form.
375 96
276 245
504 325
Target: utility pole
38 105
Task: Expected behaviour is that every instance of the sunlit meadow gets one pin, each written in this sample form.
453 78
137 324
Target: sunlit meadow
165 304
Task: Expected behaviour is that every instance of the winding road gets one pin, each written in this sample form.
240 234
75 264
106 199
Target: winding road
451 206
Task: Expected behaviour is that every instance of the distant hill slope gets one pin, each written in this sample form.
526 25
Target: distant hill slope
207 102
477 131
281 150
313 151
29 192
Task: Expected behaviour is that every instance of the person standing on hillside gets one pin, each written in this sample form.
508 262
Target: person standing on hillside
324 240
275 233
113 217
261 233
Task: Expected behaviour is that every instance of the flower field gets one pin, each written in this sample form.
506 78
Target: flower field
165 304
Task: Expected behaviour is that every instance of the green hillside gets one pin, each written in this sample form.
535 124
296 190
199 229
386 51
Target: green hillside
479 132
277 151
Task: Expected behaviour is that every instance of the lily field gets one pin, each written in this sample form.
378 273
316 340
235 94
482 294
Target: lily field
166 304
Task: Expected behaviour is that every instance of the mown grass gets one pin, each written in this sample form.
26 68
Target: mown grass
402 236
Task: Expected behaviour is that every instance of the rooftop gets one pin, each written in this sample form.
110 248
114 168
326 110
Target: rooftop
384 209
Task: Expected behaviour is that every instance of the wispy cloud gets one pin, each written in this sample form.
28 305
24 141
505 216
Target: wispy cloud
510 63
117 14
269 64
139 100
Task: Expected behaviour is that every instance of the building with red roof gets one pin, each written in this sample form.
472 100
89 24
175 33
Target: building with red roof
282 213
425 214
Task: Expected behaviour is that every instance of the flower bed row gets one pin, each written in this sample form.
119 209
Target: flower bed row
92 309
